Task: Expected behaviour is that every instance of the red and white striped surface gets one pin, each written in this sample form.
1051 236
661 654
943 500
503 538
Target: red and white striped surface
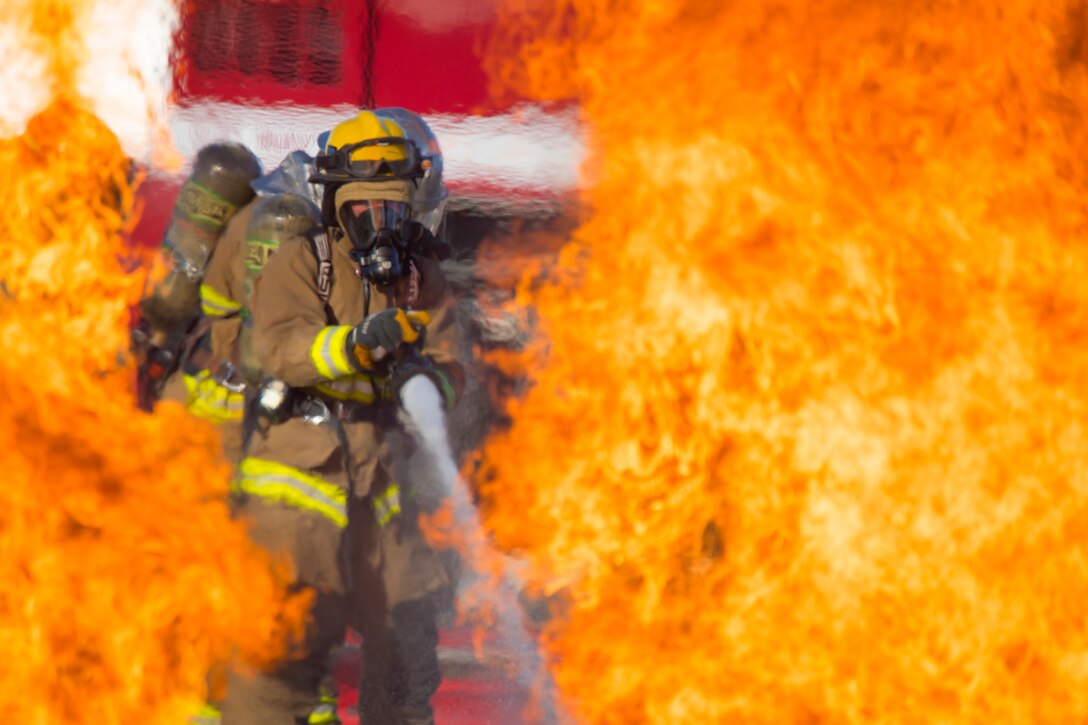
522 163
524 151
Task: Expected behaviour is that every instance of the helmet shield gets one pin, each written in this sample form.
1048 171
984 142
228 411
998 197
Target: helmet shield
430 193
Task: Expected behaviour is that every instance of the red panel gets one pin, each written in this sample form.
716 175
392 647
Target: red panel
428 55
156 196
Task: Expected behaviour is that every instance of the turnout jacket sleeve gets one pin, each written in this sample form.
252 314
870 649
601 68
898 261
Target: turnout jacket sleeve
222 294
288 315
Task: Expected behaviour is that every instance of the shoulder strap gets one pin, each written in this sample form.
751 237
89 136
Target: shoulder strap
319 243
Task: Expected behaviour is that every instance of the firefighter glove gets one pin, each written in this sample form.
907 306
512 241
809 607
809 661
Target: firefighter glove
381 333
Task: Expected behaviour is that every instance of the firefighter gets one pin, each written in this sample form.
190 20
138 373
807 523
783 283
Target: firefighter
207 380
211 210
267 221
210 198
343 316
218 369
210 381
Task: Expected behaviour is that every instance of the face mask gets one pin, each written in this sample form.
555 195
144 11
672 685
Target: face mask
375 231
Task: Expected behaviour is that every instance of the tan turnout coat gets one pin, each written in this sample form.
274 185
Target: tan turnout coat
288 318
226 276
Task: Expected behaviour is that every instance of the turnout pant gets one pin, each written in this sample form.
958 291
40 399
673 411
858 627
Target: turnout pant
287 694
399 586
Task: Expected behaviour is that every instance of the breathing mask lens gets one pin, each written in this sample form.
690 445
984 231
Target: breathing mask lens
388 214
365 220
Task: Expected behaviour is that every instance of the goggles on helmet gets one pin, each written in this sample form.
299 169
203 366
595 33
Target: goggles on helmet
397 158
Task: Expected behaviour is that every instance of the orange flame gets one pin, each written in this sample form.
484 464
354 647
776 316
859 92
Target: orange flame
806 442
125 581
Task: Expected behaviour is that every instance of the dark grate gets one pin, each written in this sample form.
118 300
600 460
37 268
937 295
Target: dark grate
251 48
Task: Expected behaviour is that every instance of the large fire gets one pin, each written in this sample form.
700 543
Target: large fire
124 581
807 439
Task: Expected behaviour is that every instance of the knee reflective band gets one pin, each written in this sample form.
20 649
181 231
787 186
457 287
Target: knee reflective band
215 304
387 505
210 400
286 484
329 352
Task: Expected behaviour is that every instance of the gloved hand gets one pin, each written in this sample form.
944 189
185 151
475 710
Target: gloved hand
381 333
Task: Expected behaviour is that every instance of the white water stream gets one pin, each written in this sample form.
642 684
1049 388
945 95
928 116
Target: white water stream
423 405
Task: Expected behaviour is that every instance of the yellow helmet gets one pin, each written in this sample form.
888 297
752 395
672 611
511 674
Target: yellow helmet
367 147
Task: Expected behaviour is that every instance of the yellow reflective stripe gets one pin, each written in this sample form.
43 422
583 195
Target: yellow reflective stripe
357 389
279 482
387 505
216 304
208 399
329 354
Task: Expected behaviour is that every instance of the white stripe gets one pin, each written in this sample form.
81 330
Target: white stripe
528 150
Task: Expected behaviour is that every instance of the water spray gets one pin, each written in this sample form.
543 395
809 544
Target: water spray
486 568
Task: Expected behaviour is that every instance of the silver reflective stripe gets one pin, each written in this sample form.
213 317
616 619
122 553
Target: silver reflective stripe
268 479
289 485
326 350
387 505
